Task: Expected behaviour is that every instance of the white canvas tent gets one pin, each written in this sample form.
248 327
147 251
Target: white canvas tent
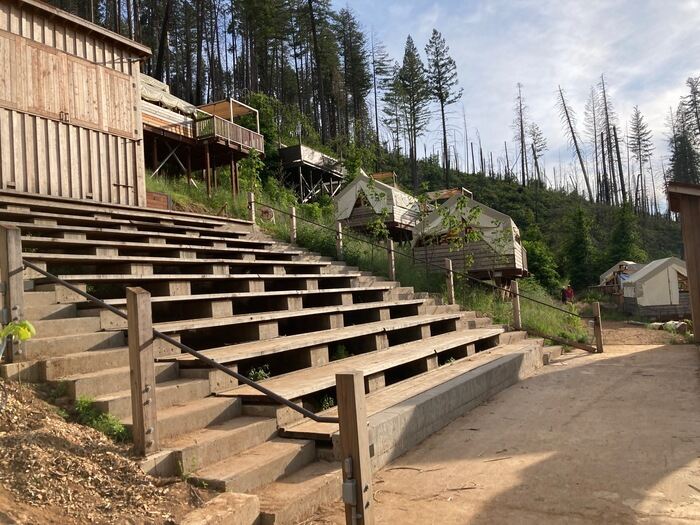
657 283
365 198
500 253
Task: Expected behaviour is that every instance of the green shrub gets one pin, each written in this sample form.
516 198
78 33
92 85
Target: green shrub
326 402
86 414
259 373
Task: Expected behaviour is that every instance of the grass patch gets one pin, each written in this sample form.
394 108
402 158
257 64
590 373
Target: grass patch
85 413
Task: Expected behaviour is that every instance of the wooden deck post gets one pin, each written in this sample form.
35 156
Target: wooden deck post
598 328
515 297
450 280
143 378
251 206
11 281
391 259
338 240
293 226
354 449
232 167
207 169
189 166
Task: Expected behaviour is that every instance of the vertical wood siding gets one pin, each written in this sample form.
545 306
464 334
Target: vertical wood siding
69 122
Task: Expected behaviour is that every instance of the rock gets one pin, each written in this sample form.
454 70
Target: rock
656 326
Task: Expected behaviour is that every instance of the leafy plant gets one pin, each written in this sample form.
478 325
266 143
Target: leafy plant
340 352
259 373
87 414
326 402
20 330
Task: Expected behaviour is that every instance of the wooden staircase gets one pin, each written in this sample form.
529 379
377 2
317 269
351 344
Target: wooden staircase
249 303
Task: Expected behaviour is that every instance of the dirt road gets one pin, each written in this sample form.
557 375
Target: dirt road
612 438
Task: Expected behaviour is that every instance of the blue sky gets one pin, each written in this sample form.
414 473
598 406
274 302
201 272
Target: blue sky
646 49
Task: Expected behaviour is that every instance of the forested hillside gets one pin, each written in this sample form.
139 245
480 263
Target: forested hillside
319 77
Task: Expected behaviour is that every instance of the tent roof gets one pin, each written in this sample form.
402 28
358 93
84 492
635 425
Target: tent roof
394 196
654 267
228 109
157 92
433 222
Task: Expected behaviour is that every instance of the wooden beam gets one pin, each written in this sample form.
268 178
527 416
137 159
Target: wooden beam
339 240
391 258
598 327
515 293
12 281
354 447
189 166
293 226
450 281
690 219
143 378
207 168
251 206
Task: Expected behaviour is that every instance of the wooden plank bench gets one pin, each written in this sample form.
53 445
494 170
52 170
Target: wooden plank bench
298 384
396 393
249 350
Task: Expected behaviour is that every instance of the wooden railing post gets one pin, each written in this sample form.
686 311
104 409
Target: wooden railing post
354 449
338 240
450 280
391 258
11 281
598 328
293 226
143 378
251 206
515 296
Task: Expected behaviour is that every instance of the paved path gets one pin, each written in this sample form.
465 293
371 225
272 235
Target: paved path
612 438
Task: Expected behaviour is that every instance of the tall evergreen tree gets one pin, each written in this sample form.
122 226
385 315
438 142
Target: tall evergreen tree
520 128
416 97
625 243
579 251
641 146
685 160
442 81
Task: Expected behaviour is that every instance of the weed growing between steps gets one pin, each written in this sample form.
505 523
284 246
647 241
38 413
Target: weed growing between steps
85 413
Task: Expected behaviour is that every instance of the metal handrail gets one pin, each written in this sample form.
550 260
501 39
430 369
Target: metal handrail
198 355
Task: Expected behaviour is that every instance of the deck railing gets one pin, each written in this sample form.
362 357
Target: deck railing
211 126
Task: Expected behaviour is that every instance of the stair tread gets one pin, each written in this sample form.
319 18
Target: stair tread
172 383
251 459
392 395
106 372
198 276
308 380
231 353
63 257
214 432
298 486
191 407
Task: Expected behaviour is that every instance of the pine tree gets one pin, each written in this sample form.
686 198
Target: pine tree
538 144
442 82
520 129
685 160
416 97
641 146
579 252
393 108
568 118
625 244
591 123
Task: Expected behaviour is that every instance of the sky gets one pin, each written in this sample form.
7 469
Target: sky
646 49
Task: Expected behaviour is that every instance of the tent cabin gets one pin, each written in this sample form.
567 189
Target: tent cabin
365 200
612 279
187 138
70 113
499 254
658 291
311 173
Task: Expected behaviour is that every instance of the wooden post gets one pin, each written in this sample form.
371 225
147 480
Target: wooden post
11 281
354 449
391 259
515 297
689 208
598 328
293 226
251 206
450 280
338 240
232 167
189 166
143 378
207 169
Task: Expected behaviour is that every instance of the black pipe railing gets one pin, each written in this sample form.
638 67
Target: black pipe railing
198 355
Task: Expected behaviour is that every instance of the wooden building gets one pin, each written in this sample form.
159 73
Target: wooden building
684 199
499 254
311 173
659 291
186 138
70 118
366 199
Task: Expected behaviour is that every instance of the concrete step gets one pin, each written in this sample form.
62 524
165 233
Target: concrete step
32 299
294 498
257 466
182 419
168 393
83 363
72 325
50 312
551 353
110 380
46 347
212 444
512 337
479 322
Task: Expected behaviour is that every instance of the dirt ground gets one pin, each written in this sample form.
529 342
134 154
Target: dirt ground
611 438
